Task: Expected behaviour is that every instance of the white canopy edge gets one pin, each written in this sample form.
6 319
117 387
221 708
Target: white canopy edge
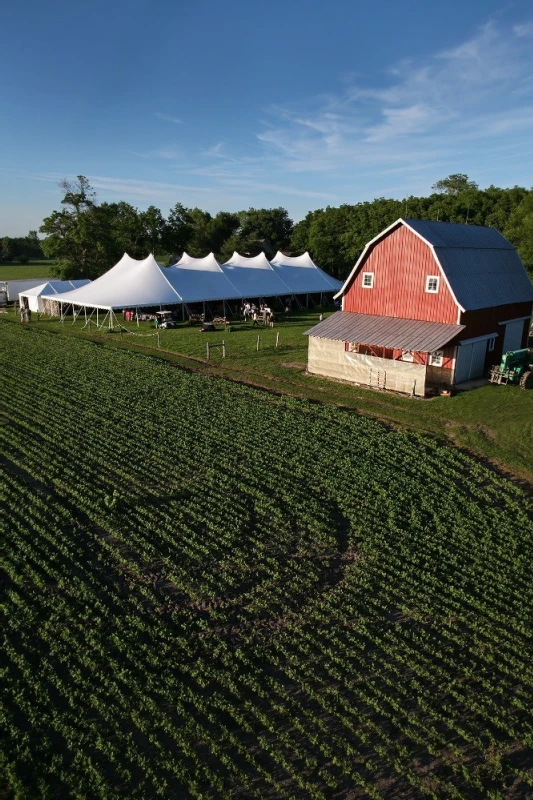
304 260
208 263
253 262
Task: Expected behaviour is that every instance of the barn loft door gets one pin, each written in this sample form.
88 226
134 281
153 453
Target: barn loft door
513 335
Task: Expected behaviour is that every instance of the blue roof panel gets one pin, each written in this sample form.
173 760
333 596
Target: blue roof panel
481 266
451 234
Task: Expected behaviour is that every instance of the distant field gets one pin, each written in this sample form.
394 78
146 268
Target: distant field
214 592
35 269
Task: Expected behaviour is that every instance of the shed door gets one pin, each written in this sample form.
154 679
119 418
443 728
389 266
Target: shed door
513 335
470 361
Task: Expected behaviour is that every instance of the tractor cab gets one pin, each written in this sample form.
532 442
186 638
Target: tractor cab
515 367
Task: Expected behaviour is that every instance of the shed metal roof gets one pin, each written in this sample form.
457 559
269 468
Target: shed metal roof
405 334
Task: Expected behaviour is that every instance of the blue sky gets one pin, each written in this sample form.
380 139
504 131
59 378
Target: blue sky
252 103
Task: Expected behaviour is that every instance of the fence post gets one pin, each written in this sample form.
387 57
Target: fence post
277 338
258 341
208 351
158 341
223 348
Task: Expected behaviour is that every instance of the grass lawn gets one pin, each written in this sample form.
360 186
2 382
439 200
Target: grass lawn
495 422
35 269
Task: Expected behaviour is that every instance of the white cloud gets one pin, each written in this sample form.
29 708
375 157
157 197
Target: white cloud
432 111
168 118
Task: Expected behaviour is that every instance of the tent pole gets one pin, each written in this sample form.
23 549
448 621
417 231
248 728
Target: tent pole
183 311
137 316
203 305
97 318
85 309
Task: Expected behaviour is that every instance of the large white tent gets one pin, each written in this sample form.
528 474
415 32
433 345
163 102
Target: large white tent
302 275
255 277
129 284
136 283
201 280
33 298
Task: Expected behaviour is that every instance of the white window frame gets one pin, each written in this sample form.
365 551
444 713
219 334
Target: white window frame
436 358
432 278
407 355
368 275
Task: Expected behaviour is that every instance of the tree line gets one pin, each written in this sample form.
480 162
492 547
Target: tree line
21 248
86 238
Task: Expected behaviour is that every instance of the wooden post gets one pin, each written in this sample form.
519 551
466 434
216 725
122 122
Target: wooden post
223 348
158 341
258 341
208 351
277 338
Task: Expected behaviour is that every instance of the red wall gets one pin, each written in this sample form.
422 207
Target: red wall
395 354
486 320
400 263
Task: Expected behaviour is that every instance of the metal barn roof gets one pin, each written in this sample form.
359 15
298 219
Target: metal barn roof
453 234
481 266
405 334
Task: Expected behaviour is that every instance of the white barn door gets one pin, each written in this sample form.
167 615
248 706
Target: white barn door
513 335
470 361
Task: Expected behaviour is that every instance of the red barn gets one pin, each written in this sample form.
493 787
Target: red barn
428 304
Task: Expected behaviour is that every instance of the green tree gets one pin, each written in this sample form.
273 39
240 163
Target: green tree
260 229
519 230
7 251
153 225
454 184
177 230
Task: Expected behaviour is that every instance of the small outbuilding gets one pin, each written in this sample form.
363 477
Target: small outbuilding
428 304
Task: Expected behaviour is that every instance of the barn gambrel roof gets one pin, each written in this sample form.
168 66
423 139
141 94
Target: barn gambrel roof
479 265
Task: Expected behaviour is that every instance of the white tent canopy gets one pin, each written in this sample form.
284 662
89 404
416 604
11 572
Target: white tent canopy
255 277
136 283
129 284
201 280
302 275
34 296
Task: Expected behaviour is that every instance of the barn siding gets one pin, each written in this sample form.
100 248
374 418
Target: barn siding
329 357
400 263
485 320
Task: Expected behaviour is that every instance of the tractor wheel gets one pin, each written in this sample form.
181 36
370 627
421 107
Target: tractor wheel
526 381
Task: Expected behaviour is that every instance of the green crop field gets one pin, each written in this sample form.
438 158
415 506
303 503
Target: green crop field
496 422
211 591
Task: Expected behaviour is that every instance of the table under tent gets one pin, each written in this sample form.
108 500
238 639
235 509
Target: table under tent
141 284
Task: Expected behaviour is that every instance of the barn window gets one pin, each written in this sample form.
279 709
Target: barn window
368 280
436 358
407 355
432 284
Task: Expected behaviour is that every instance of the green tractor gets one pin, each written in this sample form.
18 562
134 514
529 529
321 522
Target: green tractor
515 367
